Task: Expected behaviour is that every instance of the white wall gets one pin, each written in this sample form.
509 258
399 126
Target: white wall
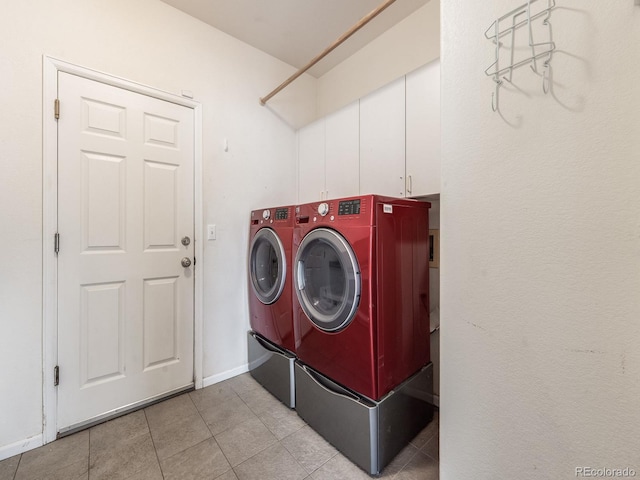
151 43
406 46
540 249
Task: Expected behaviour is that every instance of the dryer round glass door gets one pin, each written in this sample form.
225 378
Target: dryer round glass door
267 266
327 279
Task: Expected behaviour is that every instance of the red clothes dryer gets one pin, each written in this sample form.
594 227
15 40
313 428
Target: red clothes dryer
271 233
361 278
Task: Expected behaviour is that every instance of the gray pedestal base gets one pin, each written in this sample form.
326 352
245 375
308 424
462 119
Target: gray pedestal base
369 433
272 367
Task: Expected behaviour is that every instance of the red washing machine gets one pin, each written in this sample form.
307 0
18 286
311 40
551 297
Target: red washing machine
361 277
271 234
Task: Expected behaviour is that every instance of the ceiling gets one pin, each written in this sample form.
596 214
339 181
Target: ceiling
295 31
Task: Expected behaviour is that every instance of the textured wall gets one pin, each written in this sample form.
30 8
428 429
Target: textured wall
540 248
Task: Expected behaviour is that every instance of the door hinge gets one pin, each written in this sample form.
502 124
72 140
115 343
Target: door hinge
194 261
56 109
56 243
56 376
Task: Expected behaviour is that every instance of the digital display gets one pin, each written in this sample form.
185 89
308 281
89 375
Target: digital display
282 213
349 207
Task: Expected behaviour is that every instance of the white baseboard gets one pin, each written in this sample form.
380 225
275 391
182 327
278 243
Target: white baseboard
21 446
219 377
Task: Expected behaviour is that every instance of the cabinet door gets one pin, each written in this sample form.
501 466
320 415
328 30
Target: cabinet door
342 154
423 130
382 130
311 162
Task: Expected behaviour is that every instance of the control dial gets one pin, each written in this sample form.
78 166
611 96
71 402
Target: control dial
266 214
323 209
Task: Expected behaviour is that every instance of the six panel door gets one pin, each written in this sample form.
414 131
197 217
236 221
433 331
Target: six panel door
125 202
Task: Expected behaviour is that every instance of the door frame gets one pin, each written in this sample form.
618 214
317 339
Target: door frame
51 67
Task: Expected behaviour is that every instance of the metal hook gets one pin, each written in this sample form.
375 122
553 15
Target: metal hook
532 44
505 73
549 7
495 96
546 76
534 65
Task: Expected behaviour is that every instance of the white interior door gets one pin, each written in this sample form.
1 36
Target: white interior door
125 202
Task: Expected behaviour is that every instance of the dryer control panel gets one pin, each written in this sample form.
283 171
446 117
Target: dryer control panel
282 213
323 208
349 207
282 216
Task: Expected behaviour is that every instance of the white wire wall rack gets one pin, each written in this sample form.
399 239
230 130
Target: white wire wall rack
503 30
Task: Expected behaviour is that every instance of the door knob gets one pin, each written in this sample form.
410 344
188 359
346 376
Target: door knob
186 262
186 241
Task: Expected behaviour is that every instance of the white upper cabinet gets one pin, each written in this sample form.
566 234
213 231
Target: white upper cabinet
328 156
311 163
342 152
387 143
382 141
423 130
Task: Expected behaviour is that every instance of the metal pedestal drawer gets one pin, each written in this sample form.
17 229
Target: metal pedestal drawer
272 367
369 433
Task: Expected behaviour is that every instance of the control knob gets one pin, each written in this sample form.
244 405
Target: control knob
266 214
323 209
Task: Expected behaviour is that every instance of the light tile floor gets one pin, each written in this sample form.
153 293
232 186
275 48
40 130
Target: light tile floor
234 430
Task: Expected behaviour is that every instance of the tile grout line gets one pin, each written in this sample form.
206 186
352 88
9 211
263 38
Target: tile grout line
174 420
406 463
278 441
257 453
228 428
429 456
15 474
155 450
322 465
212 436
89 457
401 469
284 446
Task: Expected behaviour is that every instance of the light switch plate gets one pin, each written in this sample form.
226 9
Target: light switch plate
211 232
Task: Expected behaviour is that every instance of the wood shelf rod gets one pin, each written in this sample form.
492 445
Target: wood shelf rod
361 23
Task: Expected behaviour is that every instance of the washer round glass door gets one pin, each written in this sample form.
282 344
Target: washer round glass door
327 279
267 266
